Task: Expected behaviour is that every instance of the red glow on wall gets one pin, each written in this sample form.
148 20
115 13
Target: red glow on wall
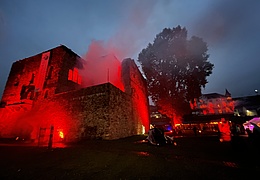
79 80
70 74
75 75
116 81
140 101
32 118
61 134
35 124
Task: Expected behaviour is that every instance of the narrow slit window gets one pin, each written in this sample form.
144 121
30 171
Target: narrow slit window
70 74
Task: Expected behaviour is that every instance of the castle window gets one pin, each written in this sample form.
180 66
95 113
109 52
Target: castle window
27 92
22 92
32 79
74 76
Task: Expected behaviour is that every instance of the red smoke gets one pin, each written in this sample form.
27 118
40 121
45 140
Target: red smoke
103 59
101 66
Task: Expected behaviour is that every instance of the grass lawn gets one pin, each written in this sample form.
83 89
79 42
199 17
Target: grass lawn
202 157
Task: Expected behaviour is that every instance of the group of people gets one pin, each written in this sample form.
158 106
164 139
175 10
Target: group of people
157 137
254 136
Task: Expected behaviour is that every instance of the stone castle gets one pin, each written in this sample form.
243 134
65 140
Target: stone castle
44 93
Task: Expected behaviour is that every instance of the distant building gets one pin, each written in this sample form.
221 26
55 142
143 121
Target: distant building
247 106
46 90
210 108
213 104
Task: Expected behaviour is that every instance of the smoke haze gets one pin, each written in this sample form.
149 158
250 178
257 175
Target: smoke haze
231 29
103 58
101 66
123 28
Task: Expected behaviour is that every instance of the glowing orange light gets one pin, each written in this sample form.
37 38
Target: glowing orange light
61 134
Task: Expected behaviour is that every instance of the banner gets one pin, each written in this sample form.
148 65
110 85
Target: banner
42 71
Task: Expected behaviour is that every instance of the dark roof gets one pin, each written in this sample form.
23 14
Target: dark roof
216 95
212 95
60 46
66 49
227 94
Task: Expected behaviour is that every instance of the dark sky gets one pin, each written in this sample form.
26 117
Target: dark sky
231 29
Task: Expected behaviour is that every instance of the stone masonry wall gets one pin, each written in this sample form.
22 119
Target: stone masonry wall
21 74
98 112
135 86
24 73
122 123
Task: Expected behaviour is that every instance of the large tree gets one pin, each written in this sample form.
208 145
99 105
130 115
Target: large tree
176 69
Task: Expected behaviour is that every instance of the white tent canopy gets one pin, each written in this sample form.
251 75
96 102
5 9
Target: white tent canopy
255 120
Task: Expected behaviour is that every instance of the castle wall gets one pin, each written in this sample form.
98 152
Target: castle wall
57 100
135 86
25 75
100 112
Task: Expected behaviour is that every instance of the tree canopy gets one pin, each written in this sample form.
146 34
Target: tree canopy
176 68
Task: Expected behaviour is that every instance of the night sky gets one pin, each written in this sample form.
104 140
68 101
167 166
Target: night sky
231 29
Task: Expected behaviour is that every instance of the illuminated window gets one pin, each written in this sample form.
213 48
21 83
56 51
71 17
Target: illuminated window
74 76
